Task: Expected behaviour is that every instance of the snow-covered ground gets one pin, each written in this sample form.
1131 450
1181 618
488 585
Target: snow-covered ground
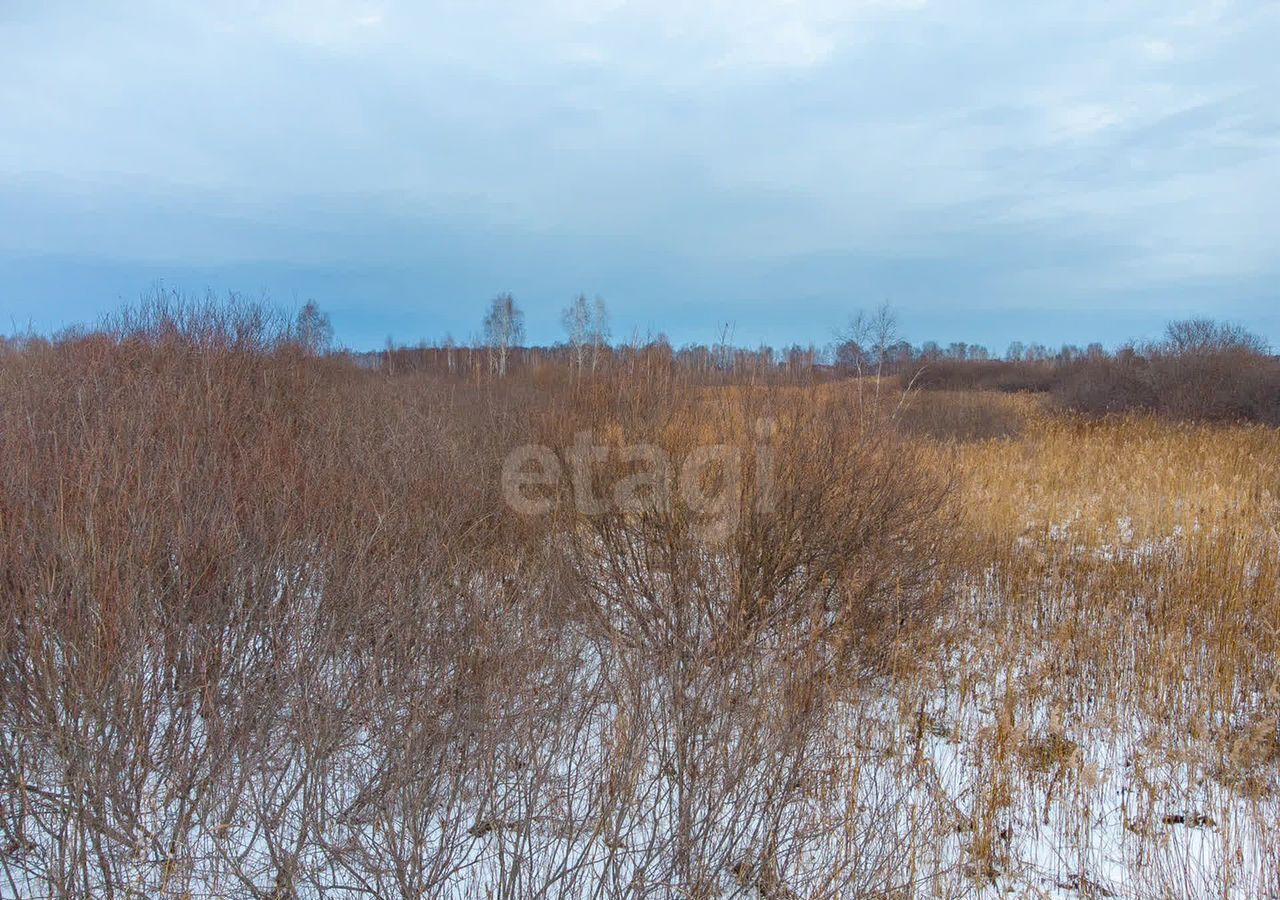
990 770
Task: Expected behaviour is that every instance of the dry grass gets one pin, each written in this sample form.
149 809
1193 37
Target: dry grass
1121 635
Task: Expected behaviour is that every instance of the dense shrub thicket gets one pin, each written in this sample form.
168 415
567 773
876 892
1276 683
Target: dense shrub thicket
1202 370
269 627
983 375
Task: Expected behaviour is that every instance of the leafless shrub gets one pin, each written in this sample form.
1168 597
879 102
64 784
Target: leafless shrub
960 416
1106 386
733 629
1202 370
981 375
269 629
1217 385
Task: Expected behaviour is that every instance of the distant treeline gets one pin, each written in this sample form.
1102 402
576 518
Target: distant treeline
1200 369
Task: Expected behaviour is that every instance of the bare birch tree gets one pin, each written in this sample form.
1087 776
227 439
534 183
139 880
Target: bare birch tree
503 329
587 324
313 329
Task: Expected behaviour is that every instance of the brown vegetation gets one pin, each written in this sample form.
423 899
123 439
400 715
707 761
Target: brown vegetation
1201 371
269 628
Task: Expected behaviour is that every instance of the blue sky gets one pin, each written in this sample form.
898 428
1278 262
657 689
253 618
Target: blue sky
1049 171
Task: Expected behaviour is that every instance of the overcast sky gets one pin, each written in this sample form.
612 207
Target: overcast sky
1051 170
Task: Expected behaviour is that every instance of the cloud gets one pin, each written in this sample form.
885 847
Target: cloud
1082 120
1156 49
1138 143
329 24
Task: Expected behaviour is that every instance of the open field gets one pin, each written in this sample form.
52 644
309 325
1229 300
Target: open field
273 628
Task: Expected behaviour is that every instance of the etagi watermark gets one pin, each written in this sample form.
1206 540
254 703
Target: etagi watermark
707 481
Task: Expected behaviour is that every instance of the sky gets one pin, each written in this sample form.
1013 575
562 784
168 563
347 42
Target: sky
1047 171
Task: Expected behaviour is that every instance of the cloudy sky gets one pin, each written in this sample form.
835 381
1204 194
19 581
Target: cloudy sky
1053 171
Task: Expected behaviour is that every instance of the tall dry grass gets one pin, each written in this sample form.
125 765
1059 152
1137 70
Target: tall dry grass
1116 654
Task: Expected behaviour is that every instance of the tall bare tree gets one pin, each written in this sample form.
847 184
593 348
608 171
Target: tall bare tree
874 332
587 324
503 329
314 331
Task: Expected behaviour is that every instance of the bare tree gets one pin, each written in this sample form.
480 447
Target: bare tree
577 322
877 331
450 348
313 329
587 324
1209 336
599 331
503 329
